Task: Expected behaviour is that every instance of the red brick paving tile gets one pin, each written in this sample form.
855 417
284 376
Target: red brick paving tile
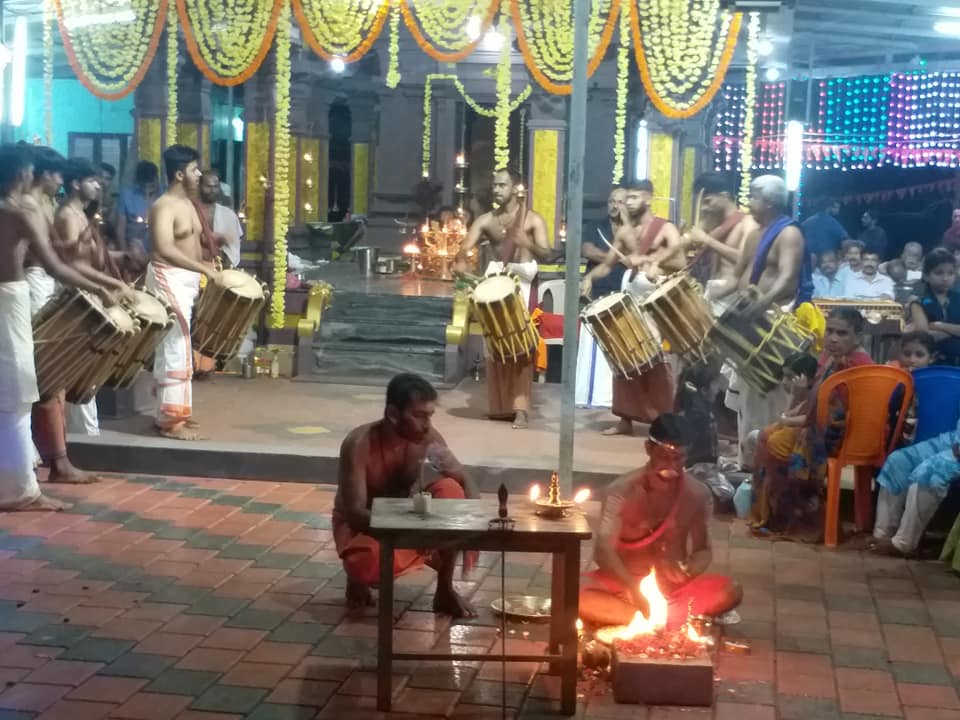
870 702
280 601
234 639
745 667
164 643
194 555
261 575
60 604
200 715
152 706
484 712
428 621
954 665
204 579
517 672
278 652
225 565
53 576
10 638
124 629
302 692
131 556
65 672
351 707
32 698
210 659
820 686
77 710
911 643
659 712
355 628
104 688
858 638
162 612
364 682
804 663
28 656
951 646
119 599
427 702
936 696
859 679
321 668
169 568
296 547
735 711
254 674
921 713
235 588
11 676
79 586
93 616
194 624
853 620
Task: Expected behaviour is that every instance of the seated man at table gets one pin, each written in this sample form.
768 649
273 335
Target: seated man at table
656 517
384 459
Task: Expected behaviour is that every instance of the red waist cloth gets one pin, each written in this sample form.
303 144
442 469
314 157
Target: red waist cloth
696 597
550 326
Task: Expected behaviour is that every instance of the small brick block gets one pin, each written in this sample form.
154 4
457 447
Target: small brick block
661 681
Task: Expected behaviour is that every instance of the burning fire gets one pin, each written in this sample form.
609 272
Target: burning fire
534 492
411 249
582 496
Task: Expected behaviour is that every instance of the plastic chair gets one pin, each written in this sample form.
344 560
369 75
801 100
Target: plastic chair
866 441
938 400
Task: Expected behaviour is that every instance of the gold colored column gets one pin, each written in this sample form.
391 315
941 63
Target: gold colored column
309 179
293 181
686 184
258 170
661 173
361 178
149 133
544 177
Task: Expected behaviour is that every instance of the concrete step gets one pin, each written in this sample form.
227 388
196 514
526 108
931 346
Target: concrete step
432 333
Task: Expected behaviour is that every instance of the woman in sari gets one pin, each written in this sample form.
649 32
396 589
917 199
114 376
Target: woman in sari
791 461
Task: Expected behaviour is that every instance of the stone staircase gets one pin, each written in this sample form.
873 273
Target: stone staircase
367 339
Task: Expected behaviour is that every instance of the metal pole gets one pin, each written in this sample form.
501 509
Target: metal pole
577 128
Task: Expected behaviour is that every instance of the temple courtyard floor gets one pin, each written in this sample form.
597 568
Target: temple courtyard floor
160 598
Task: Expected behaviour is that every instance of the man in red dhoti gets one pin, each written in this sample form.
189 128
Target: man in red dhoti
656 518
384 459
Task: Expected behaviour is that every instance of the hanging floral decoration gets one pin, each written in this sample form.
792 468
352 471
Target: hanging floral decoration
393 69
110 59
427 124
683 50
445 30
545 37
341 28
173 51
749 102
501 126
48 18
281 167
229 39
623 90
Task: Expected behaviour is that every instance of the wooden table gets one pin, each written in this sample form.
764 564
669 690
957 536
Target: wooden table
465 524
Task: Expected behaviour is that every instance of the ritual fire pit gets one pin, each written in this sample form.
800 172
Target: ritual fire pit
654 665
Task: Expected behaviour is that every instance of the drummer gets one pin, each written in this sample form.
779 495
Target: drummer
776 263
518 240
24 229
647 245
78 243
176 265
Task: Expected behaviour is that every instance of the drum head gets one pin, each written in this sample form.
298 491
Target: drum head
665 287
495 287
121 318
604 303
241 283
146 306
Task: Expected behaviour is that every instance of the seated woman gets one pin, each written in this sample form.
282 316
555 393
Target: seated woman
938 310
788 481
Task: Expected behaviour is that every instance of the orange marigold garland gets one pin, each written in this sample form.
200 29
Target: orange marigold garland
440 28
346 29
229 39
111 59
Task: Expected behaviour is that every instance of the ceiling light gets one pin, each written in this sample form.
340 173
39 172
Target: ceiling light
948 27
764 47
949 11
772 74
338 65
473 27
18 71
492 41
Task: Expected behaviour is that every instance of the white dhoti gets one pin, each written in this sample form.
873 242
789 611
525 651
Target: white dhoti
525 272
83 419
173 362
510 384
18 392
42 288
594 377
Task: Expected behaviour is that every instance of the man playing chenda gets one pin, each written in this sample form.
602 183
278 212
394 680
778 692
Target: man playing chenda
656 517
518 240
385 459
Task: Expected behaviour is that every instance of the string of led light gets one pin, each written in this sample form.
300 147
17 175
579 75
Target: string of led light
345 29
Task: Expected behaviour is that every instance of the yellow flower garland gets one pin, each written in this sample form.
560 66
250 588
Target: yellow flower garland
341 28
281 168
48 17
501 128
393 69
623 90
749 102
229 39
440 27
681 65
172 53
111 59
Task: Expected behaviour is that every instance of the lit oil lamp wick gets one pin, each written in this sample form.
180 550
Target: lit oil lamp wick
553 506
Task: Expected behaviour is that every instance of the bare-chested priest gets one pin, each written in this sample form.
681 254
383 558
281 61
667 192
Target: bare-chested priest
384 459
23 228
518 241
656 518
649 246
174 272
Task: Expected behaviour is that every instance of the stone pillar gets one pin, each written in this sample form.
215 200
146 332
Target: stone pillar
364 116
308 155
546 145
319 170
150 112
258 111
194 111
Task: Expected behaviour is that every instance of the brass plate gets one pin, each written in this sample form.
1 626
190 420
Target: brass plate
524 607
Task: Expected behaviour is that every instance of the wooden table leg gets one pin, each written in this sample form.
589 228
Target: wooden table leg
385 629
570 611
556 611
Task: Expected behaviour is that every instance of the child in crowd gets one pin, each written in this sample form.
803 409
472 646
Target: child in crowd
917 350
938 309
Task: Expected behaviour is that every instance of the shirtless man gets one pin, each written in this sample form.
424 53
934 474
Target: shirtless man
656 518
24 229
78 243
518 240
174 272
646 244
383 459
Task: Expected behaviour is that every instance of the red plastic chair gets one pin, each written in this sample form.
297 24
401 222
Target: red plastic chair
866 443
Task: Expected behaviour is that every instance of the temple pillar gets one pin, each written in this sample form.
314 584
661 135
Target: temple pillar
258 110
194 112
364 116
149 114
546 131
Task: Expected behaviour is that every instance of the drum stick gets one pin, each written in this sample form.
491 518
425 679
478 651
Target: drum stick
609 245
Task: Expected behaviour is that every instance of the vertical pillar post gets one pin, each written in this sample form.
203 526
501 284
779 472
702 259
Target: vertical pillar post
258 111
546 143
195 112
364 116
150 111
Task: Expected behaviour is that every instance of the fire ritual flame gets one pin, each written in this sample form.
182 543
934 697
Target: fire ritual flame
582 495
411 249
534 492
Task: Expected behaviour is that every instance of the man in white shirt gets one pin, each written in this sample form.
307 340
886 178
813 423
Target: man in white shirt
223 220
827 281
869 284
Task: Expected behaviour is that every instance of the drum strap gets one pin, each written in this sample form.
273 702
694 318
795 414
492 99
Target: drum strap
653 229
209 244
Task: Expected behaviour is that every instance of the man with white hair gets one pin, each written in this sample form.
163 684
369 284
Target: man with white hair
776 263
